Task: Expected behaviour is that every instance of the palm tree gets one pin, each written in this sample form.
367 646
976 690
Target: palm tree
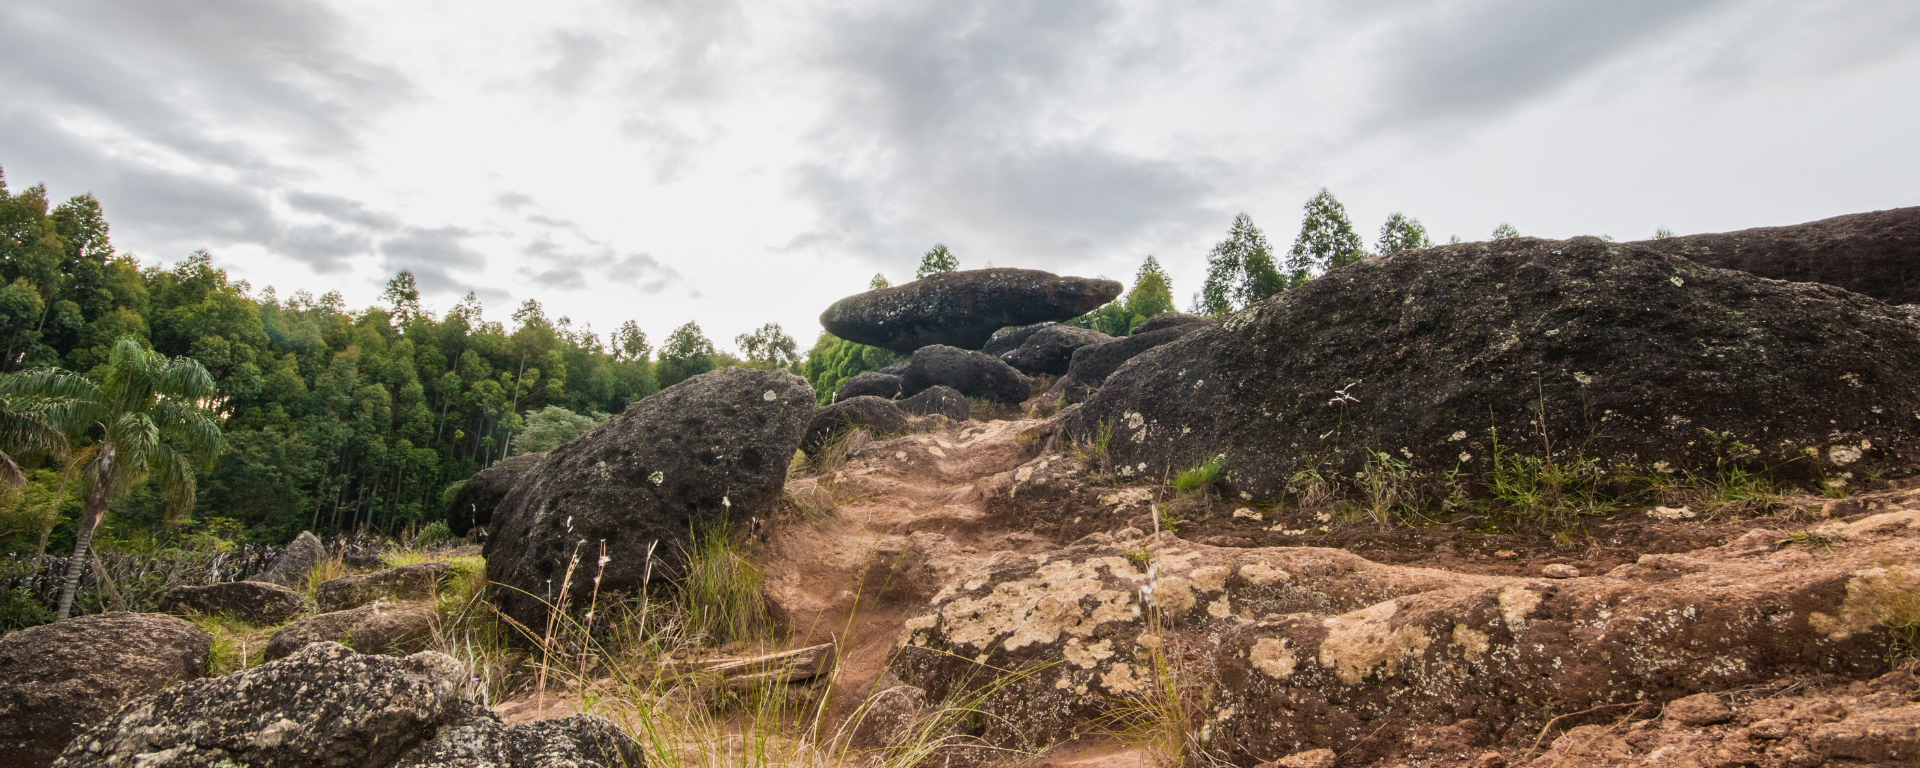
147 420
28 425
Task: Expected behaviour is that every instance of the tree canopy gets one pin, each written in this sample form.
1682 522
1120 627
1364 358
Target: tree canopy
1326 240
937 260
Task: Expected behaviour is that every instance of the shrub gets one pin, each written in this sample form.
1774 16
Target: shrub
1202 476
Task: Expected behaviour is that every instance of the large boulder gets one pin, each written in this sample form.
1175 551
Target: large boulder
1009 339
323 707
385 628
1169 320
295 561
867 412
419 581
59 678
574 741
869 384
1876 254
1091 365
962 309
973 374
1050 350
1582 348
253 602
675 461
945 401
473 504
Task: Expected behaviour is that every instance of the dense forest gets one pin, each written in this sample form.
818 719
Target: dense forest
337 420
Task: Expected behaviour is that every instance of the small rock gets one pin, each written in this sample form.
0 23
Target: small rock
1698 710
1490 760
973 374
419 581
867 411
882 385
384 628
1316 758
1050 351
1670 513
1246 513
254 602
290 567
945 401
1506 554
574 741
1560 571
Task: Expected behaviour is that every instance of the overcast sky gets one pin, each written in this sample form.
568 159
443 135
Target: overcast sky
740 163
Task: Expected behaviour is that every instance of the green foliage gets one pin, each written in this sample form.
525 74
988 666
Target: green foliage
436 532
1202 476
1240 271
768 347
686 354
833 360
1402 233
1544 489
1326 240
552 427
721 591
936 261
878 282
1152 294
1662 233
1505 232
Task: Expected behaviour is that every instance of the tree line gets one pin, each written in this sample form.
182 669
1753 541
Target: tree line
329 419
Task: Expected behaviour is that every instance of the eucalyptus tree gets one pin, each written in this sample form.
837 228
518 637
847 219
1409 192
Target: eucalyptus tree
147 419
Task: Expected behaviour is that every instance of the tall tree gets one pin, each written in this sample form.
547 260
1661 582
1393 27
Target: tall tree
1402 233
146 420
28 425
936 261
1240 271
1326 240
1152 293
686 354
768 347
630 343
403 295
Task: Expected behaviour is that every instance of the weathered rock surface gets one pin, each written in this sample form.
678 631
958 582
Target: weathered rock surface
866 411
945 401
1050 350
869 384
472 506
1625 355
973 374
419 581
392 629
1873 723
254 602
1091 365
57 679
290 567
1875 254
323 707
962 309
574 741
679 459
1009 339
1303 648
1170 320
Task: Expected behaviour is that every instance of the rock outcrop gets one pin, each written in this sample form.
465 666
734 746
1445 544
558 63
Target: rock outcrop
962 309
295 561
329 707
419 581
1169 320
973 374
945 401
257 603
1875 254
869 384
1303 648
868 412
384 628
1009 339
472 506
678 460
1613 352
1091 365
1050 350
58 679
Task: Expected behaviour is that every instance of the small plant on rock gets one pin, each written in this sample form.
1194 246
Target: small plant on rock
1203 476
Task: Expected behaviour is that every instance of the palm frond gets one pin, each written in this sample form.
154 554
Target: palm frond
50 383
174 475
192 430
184 378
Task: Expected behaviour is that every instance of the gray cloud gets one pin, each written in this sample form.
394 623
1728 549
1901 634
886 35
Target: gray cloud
433 254
946 129
1493 55
323 247
512 201
578 58
571 269
342 209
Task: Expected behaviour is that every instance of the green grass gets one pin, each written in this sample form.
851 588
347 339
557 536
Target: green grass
1202 476
721 592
